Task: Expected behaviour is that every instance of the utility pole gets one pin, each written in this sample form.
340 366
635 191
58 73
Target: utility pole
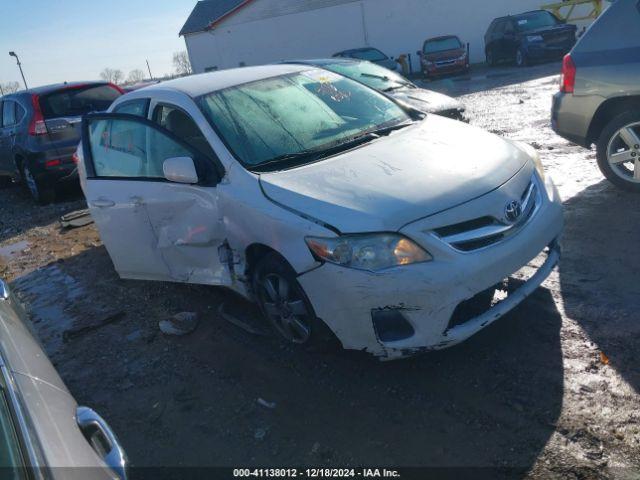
13 54
149 68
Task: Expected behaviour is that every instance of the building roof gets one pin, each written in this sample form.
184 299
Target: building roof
207 13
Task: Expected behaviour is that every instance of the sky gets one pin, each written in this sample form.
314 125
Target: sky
68 40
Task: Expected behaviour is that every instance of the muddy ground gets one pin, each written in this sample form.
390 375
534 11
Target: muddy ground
552 389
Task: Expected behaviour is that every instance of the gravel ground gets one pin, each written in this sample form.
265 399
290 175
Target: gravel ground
551 390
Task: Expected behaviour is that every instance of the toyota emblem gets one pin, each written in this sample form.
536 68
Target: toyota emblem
512 211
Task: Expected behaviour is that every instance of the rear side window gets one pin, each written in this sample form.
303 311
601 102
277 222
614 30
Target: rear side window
134 107
371 55
77 101
8 113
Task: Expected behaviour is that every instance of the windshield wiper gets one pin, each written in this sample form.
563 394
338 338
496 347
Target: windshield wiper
308 156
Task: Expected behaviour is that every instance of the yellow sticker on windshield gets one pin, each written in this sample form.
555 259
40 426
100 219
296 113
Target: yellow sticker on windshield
321 76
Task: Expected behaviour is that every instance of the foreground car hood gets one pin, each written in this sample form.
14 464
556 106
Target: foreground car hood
426 100
415 172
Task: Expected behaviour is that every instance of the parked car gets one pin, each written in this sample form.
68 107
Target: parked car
391 83
337 210
40 129
599 97
43 432
443 55
528 37
370 55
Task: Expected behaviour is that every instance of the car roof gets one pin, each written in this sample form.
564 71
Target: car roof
203 83
361 49
319 62
442 37
44 89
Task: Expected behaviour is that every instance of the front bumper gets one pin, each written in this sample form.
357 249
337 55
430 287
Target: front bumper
427 295
541 52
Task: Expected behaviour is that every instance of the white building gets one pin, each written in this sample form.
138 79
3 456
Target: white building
230 33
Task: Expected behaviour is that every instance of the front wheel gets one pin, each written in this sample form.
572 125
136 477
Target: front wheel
491 58
521 58
39 192
618 151
285 305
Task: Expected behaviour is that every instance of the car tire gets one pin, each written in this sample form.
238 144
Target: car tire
491 59
611 142
522 60
286 307
41 194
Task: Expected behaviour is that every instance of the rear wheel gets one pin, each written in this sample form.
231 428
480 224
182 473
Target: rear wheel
39 192
491 58
619 151
521 58
285 305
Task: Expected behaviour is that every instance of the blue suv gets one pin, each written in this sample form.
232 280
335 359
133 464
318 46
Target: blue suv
528 37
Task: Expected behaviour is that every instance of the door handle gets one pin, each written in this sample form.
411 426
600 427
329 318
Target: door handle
102 203
91 423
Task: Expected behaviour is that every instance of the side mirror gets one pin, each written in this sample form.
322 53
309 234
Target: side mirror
180 170
4 290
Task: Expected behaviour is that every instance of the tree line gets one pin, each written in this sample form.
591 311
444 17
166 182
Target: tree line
181 67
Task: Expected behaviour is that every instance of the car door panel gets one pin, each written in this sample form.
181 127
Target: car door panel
155 229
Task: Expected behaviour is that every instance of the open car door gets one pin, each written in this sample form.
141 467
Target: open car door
154 200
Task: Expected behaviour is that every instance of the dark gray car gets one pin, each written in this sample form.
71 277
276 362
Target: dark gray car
599 98
43 432
369 54
40 130
393 84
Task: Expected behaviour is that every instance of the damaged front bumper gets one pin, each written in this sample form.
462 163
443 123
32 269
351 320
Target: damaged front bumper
411 309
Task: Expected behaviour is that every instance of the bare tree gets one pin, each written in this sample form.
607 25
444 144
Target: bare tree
112 75
10 87
135 76
181 63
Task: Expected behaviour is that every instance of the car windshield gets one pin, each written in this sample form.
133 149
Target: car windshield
370 74
370 54
296 115
535 20
442 45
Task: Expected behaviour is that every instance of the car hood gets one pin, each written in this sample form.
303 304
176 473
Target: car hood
426 100
415 172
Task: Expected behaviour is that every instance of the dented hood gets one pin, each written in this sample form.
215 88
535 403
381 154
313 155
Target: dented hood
426 100
413 173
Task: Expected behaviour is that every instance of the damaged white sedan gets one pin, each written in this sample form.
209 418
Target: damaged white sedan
339 211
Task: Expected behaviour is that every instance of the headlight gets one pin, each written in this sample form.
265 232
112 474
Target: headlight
535 156
372 252
535 38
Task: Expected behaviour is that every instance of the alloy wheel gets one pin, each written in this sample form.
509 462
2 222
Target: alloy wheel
31 183
285 308
623 153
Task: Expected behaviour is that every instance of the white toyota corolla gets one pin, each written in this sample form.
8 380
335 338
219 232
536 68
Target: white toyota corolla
338 210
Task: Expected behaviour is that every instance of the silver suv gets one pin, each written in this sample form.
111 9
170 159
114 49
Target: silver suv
599 98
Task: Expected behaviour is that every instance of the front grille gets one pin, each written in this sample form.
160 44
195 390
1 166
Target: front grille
485 231
478 304
453 113
445 63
